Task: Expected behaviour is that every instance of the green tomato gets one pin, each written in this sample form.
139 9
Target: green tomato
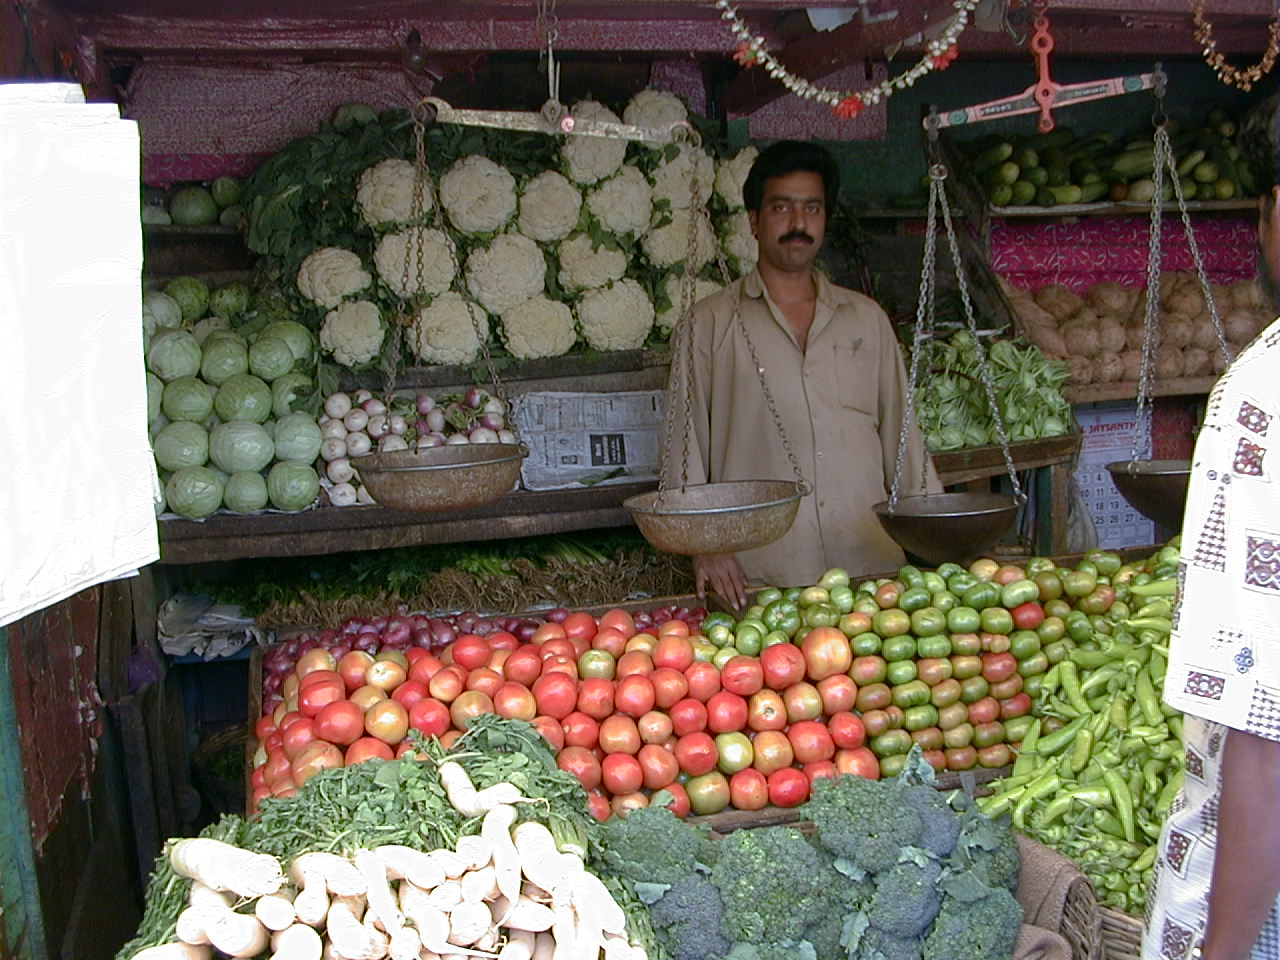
597 663
996 620
820 615
960 582
981 595
1019 592
716 618
768 595
901 671
749 639
963 620
774 636
753 612
901 647
865 603
792 594
947 570
866 644
914 598
889 745
913 693
734 752
718 634
891 622
933 582
933 646
704 650
775 613
835 577
944 600
1024 643
813 595
842 598
920 716
723 656
928 620
1051 629
911 576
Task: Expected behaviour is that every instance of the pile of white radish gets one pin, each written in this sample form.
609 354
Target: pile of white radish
506 893
354 424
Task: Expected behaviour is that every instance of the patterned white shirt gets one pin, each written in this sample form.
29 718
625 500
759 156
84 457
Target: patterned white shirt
1224 656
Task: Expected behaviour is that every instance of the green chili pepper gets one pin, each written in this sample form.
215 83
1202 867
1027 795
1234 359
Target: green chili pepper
1170 791
1091 796
1122 799
1106 821
1154 608
1118 714
1144 692
1071 687
1174 724
1097 680
1154 588
1160 625
1081 750
1089 659
1046 784
1051 743
1027 752
1158 663
1167 750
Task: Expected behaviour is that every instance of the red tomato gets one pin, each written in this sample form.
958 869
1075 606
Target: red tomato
582 763
367 748
633 662
1019 705
669 687
673 651
749 790
315 756
875 722
258 777
783 665
1027 616
961 758
929 738
803 701
634 695
619 620
468 705
556 694
579 624
386 674
984 710
644 642
742 675
838 693
366 696
317 658
410 692
998 666
1006 689
315 695
447 684
597 663
388 720
704 680
352 667
820 769
772 751
674 628
659 766
688 716
826 652
497 660
263 728
340 722
559 647
655 727
624 803
551 731
847 730
485 680
430 716
995 755
277 768
547 631
696 753
451 736
274 741
289 687
619 734
595 697
726 712
679 802
524 665
598 805
874 696
766 710
811 741
610 641
580 730
859 761
708 793
514 700
501 640
936 759
867 670
406 746
788 787
297 736
621 773
425 667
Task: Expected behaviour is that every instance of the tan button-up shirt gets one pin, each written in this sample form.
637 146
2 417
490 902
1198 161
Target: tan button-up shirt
841 400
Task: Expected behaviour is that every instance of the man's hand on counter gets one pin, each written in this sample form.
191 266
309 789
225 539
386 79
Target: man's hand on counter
720 572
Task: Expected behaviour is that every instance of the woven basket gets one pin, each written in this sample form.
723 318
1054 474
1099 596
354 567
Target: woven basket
1082 926
1121 935
223 794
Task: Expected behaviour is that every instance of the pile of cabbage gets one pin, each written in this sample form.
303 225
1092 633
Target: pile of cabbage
580 244
225 384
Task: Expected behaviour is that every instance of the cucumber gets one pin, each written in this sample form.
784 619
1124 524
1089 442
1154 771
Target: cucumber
1225 189
1188 187
1002 174
1038 176
1025 157
1082 167
1206 171
1000 195
1248 185
1067 193
1093 192
1024 193
991 157
1142 190
1133 164
1054 156
1045 197
1059 175
1188 163
1206 191
1093 176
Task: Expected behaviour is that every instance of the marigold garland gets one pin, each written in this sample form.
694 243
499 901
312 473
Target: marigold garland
1243 79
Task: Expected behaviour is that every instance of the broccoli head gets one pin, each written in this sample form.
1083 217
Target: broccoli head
906 898
878 945
865 821
653 845
771 880
688 917
988 850
985 929
845 898
941 824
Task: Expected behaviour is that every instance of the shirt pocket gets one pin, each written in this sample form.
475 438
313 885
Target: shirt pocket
856 380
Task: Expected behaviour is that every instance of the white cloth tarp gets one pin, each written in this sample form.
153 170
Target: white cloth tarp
77 480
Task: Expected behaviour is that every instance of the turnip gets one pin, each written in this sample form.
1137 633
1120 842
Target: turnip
364 496
334 450
339 470
483 435
397 424
343 495
333 429
361 396
374 407
377 427
454 439
428 441
424 403
358 444
391 442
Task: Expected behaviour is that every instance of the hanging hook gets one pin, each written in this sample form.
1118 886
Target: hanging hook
1159 80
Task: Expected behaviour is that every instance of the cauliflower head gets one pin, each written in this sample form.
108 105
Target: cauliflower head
738 242
396 251
654 108
673 179
549 207
589 159
668 245
444 331
384 193
624 203
507 272
584 266
616 317
353 332
539 327
331 274
667 319
731 174
478 195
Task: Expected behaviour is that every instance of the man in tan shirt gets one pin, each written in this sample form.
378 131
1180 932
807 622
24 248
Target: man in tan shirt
832 363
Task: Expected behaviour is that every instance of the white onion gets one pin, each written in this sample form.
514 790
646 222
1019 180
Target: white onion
456 438
377 426
338 405
435 420
356 419
483 435
392 442
364 496
358 444
373 406
342 495
361 396
506 436
428 440
493 405
425 403
397 424
340 470
333 449
333 429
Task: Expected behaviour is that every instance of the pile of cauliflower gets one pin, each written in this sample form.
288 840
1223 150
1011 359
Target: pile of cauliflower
593 251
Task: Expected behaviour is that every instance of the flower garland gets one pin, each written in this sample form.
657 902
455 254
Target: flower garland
1243 79
939 55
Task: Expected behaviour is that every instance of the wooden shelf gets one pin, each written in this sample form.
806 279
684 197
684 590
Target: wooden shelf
1128 390
215 253
974 463
1125 208
521 513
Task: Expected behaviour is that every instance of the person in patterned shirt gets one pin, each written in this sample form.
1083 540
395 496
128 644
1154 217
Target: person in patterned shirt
1218 872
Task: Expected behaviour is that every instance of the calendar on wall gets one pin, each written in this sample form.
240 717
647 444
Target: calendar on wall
1107 435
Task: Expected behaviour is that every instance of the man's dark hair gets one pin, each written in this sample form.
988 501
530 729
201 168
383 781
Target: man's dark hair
1258 141
791 156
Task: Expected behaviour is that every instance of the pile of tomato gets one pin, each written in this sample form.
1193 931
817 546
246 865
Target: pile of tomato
746 713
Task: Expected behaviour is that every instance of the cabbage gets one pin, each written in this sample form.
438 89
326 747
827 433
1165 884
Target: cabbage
181 444
158 424
205 326
272 303
194 492
161 503
298 337
224 357
289 391
193 207
187 398
353 114
159 310
229 299
292 485
173 354
155 215
243 397
240 445
297 437
245 492
226 191
155 391
231 216
191 295
270 357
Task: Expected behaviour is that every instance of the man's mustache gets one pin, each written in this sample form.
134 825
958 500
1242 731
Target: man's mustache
795 235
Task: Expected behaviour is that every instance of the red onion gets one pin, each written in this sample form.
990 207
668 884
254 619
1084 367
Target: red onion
339 650
328 635
425 403
352 625
424 638
680 613
483 627
558 615
399 630
368 642
444 632
525 631
379 623
307 643
272 683
420 620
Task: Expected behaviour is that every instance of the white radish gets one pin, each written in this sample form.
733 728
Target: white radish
382 905
297 942
351 938
191 923
446 896
540 861
475 850
431 923
405 944
221 866
492 937
479 885
590 893
544 947
340 875
469 922
405 863
275 912
564 930
617 948
519 945
312 902
202 896
529 915
237 934
175 951
532 891
496 829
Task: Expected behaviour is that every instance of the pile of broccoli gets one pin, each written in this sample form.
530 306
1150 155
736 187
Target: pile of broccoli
892 870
